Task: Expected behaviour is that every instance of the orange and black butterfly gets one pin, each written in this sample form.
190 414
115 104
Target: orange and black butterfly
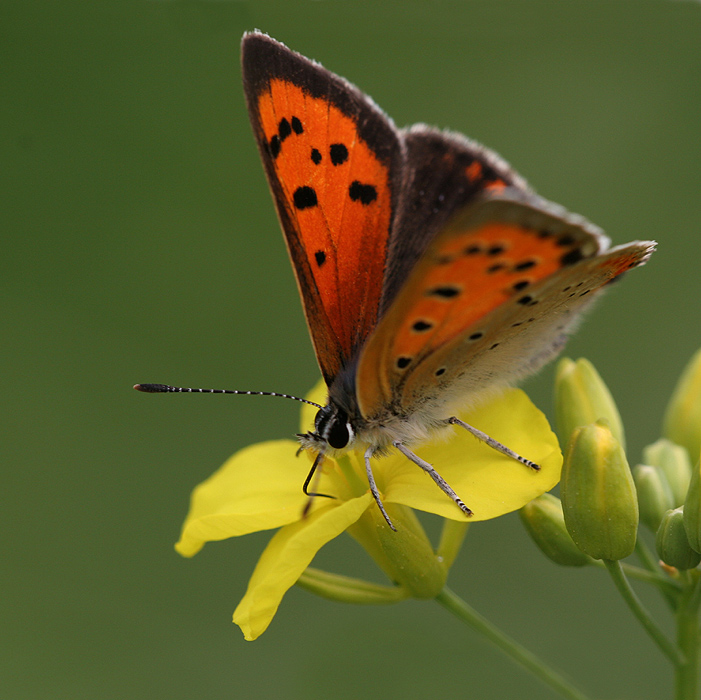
430 273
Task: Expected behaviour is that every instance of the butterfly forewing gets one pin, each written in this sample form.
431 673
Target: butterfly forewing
332 159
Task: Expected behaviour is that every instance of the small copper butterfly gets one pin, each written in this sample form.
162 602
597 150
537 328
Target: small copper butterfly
431 274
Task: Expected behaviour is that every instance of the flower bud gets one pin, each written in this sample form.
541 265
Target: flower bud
581 398
682 421
654 494
544 522
674 461
692 510
405 555
598 494
672 543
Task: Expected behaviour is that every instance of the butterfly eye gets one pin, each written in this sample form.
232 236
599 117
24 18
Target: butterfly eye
333 426
338 436
338 432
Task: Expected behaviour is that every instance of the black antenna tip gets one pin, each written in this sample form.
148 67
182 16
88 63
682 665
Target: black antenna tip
152 388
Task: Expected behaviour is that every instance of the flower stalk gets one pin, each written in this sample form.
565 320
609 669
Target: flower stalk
517 653
687 620
643 616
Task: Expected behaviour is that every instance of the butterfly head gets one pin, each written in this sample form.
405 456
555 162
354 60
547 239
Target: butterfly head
332 430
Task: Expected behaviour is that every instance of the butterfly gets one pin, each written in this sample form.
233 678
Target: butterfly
430 273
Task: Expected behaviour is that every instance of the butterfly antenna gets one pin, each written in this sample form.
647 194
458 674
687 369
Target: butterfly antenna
167 389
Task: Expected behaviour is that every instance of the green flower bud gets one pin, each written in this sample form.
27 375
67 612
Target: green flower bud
598 494
682 421
581 398
672 543
654 494
674 461
405 555
544 522
692 510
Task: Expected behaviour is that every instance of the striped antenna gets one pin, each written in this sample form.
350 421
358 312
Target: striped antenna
166 389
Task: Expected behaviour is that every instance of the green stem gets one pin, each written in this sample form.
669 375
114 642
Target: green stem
651 562
512 649
687 618
647 558
650 626
345 589
666 586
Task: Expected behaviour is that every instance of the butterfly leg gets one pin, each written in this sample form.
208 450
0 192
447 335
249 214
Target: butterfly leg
314 470
440 481
494 444
373 487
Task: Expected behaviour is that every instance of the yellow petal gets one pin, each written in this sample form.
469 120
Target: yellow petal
287 555
259 488
490 483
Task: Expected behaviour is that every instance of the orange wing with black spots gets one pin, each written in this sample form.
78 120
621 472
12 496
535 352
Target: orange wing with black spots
333 161
489 302
444 172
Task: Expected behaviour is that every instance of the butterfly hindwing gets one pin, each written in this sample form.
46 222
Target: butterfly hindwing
333 161
444 172
489 301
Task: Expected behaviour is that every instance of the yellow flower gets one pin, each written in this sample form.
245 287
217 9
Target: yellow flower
260 488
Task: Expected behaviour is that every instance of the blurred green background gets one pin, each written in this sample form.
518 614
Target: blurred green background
140 244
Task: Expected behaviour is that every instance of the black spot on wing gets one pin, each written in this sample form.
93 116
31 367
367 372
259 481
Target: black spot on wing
320 257
572 257
316 156
365 194
297 126
284 129
403 362
421 326
565 240
305 197
338 153
443 292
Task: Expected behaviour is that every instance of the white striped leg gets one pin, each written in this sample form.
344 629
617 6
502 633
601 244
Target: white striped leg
440 481
494 444
373 488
